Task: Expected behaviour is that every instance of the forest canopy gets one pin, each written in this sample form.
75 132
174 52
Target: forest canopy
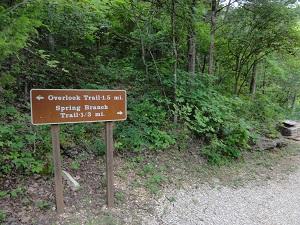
223 72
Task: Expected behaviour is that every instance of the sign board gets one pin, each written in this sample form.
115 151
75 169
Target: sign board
58 106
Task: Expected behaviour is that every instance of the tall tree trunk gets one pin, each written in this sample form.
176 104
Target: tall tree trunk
236 85
51 41
142 40
144 57
227 10
253 79
98 45
11 2
192 41
237 75
204 64
264 79
175 55
293 106
213 20
26 92
192 54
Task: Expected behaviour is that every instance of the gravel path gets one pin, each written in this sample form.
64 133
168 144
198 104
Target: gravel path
275 202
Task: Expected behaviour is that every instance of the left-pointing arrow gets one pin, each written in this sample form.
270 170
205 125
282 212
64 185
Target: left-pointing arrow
39 97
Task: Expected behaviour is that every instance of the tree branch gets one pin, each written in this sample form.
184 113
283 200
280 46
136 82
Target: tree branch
18 5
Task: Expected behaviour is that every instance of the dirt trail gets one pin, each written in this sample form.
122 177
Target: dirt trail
272 202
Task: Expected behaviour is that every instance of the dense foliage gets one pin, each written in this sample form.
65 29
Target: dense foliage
224 72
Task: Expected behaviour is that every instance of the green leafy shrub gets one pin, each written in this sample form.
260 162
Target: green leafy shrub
153 177
263 113
43 205
144 129
213 117
98 147
24 161
120 196
84 137
2 216
17 139
27 149
19 191
7 82
75 165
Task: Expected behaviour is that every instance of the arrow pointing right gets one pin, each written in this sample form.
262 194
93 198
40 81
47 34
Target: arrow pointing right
120 113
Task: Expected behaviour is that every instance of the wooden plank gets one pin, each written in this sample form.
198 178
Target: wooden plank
109 163
57 169
74 185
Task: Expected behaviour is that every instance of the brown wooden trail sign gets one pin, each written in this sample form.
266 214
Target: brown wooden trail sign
56 106
50 106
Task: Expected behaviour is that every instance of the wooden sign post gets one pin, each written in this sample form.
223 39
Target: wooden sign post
55 106
109 163
57 169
